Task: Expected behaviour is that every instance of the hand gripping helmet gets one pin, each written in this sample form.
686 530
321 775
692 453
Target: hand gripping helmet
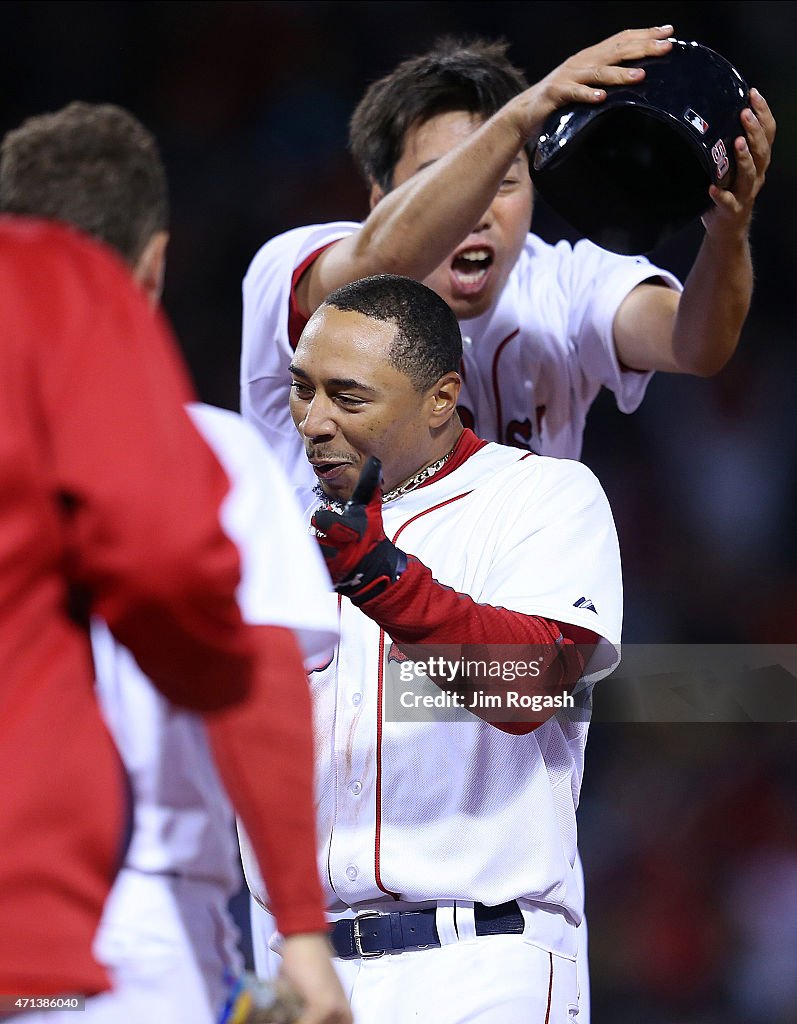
631 171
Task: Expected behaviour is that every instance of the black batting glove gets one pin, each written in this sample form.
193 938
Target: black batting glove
361 560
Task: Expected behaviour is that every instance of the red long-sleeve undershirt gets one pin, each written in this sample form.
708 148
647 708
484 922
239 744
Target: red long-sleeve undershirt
417 609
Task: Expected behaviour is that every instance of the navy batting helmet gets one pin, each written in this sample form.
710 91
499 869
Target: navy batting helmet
631 171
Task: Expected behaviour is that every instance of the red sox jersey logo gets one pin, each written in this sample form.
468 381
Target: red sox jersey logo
504 419
516 434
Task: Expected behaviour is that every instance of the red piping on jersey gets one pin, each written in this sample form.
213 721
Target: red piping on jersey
496 392
297 321
335 654
466 446
432 508
378 828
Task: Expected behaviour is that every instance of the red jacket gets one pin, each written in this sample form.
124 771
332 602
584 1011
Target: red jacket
108 502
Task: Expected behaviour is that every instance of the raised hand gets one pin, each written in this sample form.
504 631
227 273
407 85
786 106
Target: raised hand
360 558
733 207
583 78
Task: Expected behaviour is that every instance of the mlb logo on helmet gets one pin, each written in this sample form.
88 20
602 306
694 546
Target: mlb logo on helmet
696 121
630 172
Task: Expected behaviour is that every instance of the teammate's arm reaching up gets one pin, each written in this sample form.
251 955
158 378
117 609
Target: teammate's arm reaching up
444 184
457 179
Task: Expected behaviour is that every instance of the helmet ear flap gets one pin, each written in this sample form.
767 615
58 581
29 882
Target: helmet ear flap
631 172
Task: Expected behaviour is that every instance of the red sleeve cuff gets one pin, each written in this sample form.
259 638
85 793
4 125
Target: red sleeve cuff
297 318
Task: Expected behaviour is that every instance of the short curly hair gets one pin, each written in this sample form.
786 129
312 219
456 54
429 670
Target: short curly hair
428 341
93 166
456 74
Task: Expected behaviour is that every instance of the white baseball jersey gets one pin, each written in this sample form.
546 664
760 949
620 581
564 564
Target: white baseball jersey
183 820
460 810
531 367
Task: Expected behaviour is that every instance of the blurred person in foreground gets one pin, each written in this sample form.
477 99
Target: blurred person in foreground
166 938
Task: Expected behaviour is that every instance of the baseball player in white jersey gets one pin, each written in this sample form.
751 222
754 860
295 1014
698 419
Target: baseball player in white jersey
443 144
167 935
448 848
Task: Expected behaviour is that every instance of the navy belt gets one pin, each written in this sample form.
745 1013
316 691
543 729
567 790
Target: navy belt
373 933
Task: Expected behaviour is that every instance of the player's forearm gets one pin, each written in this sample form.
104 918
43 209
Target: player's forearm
415 226
417 609
264 752
423 616
714 305
719 289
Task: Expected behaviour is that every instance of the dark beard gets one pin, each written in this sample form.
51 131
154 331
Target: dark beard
331 503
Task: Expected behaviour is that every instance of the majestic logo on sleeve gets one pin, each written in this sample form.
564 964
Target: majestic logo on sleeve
584 602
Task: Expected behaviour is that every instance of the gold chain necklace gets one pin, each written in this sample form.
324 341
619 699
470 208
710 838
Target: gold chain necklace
409 485
419 478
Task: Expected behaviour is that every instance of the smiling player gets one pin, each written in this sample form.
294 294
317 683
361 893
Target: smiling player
448 847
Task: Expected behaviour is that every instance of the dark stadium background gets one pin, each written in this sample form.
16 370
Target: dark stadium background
689 833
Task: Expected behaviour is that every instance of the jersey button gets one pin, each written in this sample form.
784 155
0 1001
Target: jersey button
356 699
356 788
351 872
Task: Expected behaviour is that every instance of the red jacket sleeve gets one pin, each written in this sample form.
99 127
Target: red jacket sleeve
263 748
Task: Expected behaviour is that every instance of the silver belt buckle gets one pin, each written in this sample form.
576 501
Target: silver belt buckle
358 945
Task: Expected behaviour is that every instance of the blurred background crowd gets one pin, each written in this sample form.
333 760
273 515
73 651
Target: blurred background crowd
689 833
